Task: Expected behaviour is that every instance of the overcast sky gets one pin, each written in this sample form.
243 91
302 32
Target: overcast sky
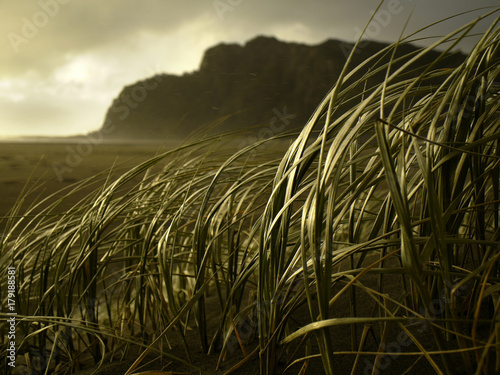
63 61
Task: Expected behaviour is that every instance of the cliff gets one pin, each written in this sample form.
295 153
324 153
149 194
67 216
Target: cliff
247 85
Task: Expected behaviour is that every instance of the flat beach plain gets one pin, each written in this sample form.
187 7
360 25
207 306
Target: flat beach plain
52 166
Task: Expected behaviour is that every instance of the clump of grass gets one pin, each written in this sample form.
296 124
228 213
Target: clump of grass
390 207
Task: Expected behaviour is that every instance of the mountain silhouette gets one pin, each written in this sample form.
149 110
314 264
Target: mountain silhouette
250 85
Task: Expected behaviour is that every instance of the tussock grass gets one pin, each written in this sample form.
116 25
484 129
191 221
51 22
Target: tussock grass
380 223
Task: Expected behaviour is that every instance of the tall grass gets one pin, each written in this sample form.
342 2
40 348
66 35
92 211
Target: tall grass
379 224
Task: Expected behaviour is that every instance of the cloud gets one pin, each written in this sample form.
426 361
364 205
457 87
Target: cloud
74 27
45 32
47 115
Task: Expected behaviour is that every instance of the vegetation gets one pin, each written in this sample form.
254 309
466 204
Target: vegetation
390 208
